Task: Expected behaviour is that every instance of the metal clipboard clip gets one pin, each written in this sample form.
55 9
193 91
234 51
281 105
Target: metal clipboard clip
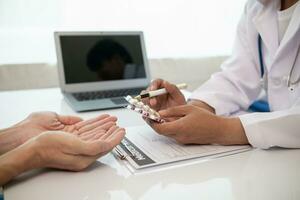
118 150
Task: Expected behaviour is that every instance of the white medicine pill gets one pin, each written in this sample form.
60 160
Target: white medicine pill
128 98
147 108
139 104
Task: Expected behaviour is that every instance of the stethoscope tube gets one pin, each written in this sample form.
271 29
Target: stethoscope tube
260 56
290 84
260 105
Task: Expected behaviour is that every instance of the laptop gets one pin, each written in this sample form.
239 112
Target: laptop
97 69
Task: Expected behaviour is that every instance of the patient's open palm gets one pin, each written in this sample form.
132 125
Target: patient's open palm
39 122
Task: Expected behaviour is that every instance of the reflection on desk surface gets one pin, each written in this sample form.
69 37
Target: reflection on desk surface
256 174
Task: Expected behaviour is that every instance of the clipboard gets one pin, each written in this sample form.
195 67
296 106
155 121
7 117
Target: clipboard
143 148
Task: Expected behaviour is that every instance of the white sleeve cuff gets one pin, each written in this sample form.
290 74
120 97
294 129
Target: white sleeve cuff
252 131
277 128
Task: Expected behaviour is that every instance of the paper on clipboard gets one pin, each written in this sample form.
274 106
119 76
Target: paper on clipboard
143 148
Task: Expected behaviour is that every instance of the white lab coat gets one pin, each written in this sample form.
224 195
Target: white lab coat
238 85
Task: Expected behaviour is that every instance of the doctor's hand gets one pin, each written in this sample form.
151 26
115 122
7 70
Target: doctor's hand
39 122
194 125
173 98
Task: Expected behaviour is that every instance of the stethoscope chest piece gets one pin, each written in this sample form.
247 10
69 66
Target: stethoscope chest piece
292 88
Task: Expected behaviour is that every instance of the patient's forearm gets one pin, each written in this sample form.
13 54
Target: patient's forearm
15 162
9 139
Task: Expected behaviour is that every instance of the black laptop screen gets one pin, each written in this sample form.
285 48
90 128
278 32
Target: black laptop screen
102 58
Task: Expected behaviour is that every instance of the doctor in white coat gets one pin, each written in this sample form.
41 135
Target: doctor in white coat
265 57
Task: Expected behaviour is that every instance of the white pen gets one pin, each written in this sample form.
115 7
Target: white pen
158 92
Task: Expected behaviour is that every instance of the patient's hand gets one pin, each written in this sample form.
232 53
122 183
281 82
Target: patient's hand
60 150
39 122
57 149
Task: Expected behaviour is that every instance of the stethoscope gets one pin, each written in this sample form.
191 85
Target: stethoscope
291 85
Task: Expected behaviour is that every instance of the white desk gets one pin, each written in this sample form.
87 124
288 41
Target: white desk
256 174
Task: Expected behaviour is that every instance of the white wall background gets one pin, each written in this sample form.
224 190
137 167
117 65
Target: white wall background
172 28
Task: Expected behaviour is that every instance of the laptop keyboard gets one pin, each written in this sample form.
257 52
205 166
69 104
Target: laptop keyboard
94 95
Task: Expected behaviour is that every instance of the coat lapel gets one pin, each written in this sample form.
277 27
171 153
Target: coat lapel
265 22
292 29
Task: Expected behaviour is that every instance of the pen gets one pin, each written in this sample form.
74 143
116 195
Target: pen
158 92
125 145
119 153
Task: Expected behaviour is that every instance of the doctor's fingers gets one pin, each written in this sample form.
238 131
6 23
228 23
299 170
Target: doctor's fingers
169 129
159 102
90 121
97 124
145 100
176 111
156 84
173 91
176 130
152 102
